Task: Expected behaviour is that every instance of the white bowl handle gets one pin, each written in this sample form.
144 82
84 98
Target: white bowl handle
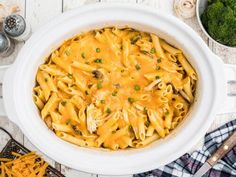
3 69
229 105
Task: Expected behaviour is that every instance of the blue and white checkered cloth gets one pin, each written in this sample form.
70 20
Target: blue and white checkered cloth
188 164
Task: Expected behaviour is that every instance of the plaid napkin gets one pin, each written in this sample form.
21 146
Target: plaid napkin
188 164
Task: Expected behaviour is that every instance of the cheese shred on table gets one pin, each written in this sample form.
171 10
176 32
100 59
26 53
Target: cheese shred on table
28 165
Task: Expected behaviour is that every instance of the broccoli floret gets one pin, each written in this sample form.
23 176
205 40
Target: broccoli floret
230 3
219 19
212 1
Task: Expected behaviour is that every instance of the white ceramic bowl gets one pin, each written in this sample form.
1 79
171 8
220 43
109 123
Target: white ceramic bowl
20 79
201 5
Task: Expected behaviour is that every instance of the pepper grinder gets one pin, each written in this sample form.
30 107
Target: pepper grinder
16 27
7 46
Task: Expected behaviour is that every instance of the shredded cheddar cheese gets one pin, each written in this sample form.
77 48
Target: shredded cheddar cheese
28 165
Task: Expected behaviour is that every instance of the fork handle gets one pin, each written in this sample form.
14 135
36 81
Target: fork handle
223 149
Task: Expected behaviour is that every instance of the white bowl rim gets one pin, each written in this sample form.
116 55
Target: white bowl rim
117 171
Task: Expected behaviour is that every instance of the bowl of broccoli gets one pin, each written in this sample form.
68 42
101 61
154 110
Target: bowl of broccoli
217 19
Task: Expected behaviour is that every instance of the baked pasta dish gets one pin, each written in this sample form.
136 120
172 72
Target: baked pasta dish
114 88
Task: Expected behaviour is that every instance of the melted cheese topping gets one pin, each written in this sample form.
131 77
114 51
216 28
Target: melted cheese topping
114 88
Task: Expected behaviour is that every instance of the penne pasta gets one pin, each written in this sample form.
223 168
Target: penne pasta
50 82
104 135
68 90
38 92
157 45
62 64
150 131
56 117
187 67
114 88
43 84
72 139
168 118
141 127
125 53
52 70
82 66
152 84
71 111
169 48
38 102
187 89
124 142
48 106
148 140
61 127
156 122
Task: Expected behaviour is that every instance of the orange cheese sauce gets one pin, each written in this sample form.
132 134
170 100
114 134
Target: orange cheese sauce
99 75
85 50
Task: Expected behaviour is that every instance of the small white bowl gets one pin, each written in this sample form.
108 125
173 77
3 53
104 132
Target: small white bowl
200 7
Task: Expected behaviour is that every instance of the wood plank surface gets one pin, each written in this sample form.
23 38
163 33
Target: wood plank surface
18 45
39 12
4 122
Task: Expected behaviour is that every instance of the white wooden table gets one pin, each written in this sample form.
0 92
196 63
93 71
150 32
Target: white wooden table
38 12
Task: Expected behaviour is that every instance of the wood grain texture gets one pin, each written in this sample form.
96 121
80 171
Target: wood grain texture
18 45
228 55
74 173
4 122
30 146
39 12
72 4
151 3
11 128
227 145
192 22
119 1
